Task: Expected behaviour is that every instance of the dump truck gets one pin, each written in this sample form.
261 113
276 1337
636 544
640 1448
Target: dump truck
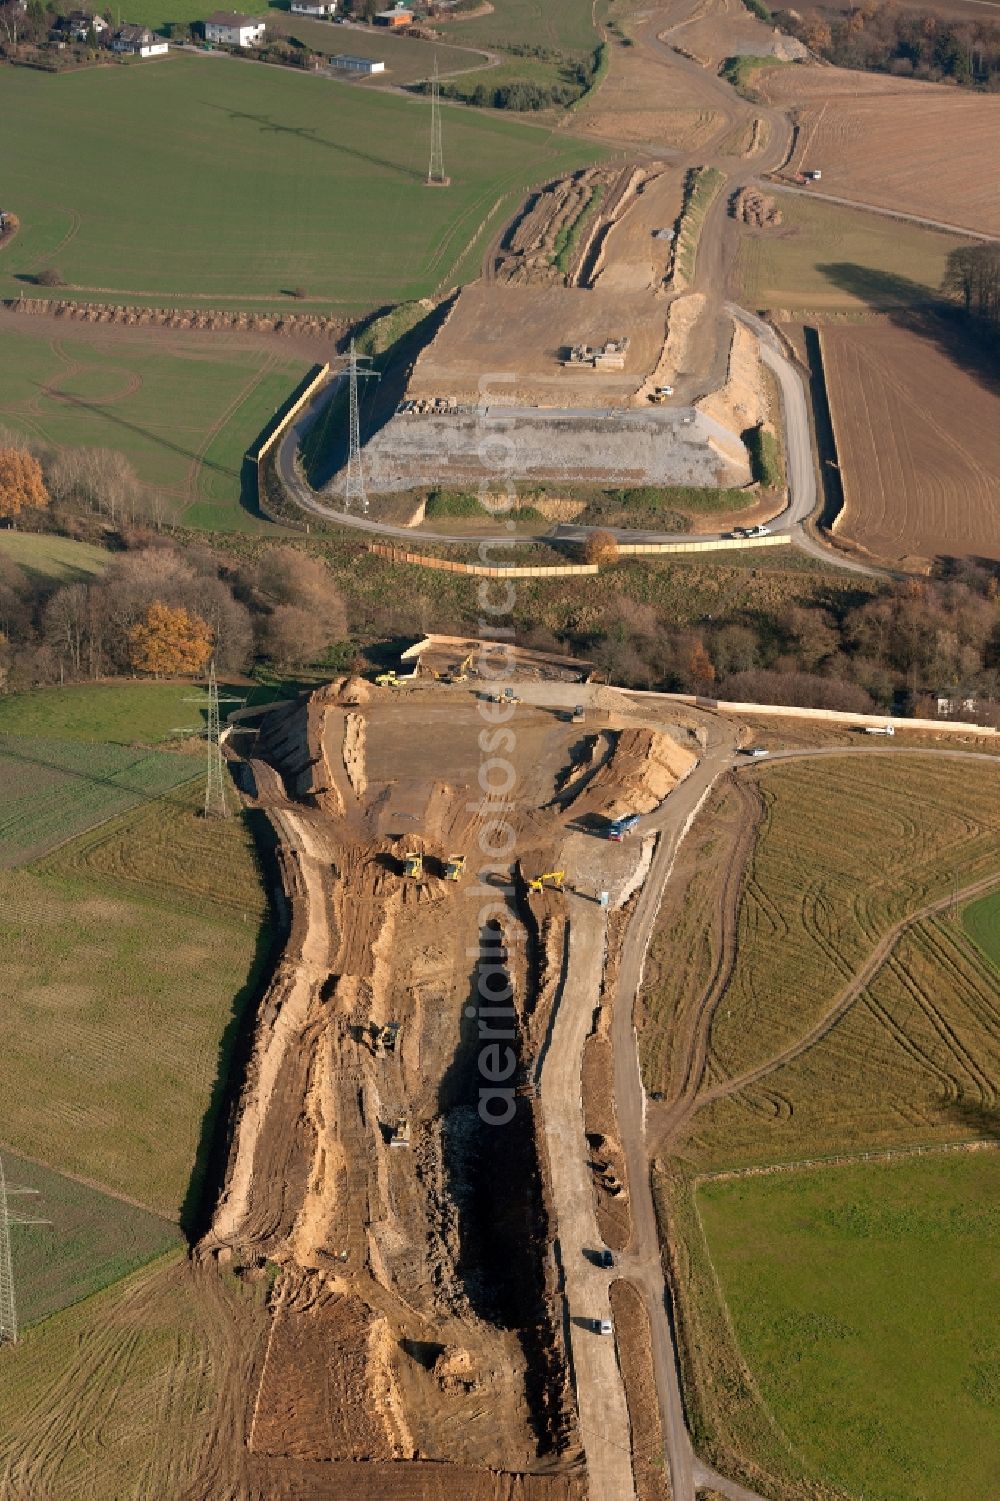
454 868
413 865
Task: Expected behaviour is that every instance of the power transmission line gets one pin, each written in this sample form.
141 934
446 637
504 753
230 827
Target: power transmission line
8 1310
435 172
354 488
216 802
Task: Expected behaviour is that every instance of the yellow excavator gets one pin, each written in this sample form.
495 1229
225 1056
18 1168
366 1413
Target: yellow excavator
461 672
553 878
454 868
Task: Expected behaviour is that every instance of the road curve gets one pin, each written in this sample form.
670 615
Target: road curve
801 476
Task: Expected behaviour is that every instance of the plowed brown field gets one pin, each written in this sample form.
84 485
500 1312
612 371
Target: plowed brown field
918 440
920 148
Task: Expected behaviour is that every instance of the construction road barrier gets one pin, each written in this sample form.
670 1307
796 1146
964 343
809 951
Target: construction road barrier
723 544
481 570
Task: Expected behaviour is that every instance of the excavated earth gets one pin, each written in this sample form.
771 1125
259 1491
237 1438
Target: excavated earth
416 1328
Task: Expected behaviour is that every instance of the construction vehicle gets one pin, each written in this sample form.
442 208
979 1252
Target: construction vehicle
399 1132
660 394
577 715
553 878
622 826
880 729
388 1036
387 680
413 865
454 868
461 672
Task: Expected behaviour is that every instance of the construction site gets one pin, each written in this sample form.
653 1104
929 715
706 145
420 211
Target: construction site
586 334
407 1154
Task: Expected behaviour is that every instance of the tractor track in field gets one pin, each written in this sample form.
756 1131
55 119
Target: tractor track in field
847 997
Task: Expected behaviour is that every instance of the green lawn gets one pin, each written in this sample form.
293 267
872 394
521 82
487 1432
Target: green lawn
864 1299
89 1239
183 412
123 713
826 257
233 182
57 558
981 921
54 789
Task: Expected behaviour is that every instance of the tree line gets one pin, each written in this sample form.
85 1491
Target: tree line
906 43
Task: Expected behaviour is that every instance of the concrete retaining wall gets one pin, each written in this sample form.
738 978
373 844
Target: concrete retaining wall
264 447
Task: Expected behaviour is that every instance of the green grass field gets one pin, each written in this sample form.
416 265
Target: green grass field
57 558
182 409
864 1300
982 923
826 258
559 25
407 59
89 1240
123 713
127 955
234 182
54 789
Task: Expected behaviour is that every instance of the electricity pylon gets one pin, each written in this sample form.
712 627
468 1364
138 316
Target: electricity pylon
8 1310
435 172
216 803
354 488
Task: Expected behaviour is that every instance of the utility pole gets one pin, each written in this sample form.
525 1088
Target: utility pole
435 172
354 488
216 803
8 1311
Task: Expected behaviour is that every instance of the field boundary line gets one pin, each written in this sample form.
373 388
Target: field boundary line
845 1159
85 1182
53 849
887 213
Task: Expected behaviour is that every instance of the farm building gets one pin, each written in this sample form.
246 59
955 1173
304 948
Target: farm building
396 17
322 9
232 29
363 65
138 41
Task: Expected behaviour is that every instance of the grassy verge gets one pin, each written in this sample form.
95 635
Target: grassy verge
740 70
700 189
982 923
765 457
569 236
58 560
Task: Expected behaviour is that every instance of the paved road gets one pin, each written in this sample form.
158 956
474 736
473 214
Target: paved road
604 1425
798 448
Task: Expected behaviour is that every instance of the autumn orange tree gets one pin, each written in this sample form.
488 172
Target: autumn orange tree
600 547
169 642
22 487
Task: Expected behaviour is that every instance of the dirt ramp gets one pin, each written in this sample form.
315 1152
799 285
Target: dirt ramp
643 768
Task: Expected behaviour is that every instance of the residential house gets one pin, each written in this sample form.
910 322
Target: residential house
78 25
323 10
233 30
138 41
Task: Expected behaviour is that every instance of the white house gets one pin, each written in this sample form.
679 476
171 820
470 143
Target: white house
233 30
138 41
364 65
324 10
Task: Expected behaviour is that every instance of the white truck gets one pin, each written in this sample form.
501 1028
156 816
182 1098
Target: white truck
880 729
